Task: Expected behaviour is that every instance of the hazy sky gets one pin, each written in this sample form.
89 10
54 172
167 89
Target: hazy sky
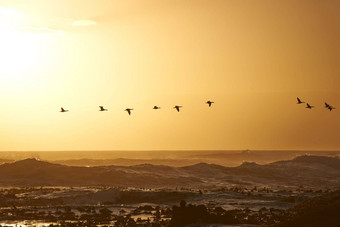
252 57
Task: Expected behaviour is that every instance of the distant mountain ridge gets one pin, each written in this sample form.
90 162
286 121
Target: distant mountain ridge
302 170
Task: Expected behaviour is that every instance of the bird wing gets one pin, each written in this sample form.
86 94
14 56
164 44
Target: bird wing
62 109
298 99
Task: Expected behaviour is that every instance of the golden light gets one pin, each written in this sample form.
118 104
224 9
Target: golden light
22 51
9 17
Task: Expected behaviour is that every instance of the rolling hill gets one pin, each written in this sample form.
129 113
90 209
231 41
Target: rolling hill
302 170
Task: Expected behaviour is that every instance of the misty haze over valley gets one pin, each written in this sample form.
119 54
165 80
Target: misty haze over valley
142 186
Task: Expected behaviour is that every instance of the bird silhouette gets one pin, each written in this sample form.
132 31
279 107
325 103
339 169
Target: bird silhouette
63 110
299 101
330 108
327 106
209 103
102 108
128 110
156 108
177 108
309 106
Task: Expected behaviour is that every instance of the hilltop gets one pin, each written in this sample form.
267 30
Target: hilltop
302 170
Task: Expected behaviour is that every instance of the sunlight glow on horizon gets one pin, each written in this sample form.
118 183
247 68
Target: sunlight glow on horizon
252 58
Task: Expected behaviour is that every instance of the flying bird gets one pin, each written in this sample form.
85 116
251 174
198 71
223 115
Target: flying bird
177 108
299 101
63 110
209 103
330 107
102 108
309 106
128 110
156 108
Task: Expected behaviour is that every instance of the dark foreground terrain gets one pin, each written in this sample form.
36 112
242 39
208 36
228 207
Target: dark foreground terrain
299 192
322 210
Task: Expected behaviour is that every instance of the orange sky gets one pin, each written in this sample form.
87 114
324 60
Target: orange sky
253 58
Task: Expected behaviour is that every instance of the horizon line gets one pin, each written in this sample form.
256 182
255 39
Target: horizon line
142 150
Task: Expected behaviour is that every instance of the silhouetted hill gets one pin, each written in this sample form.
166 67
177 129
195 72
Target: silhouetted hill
314 161
126 162
304 170
169 157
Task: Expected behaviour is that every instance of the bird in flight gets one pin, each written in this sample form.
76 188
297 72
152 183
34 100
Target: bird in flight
327 106
331 108
128 110
102 108
299 101
177 108
209 103
309 106
156 108
63 110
